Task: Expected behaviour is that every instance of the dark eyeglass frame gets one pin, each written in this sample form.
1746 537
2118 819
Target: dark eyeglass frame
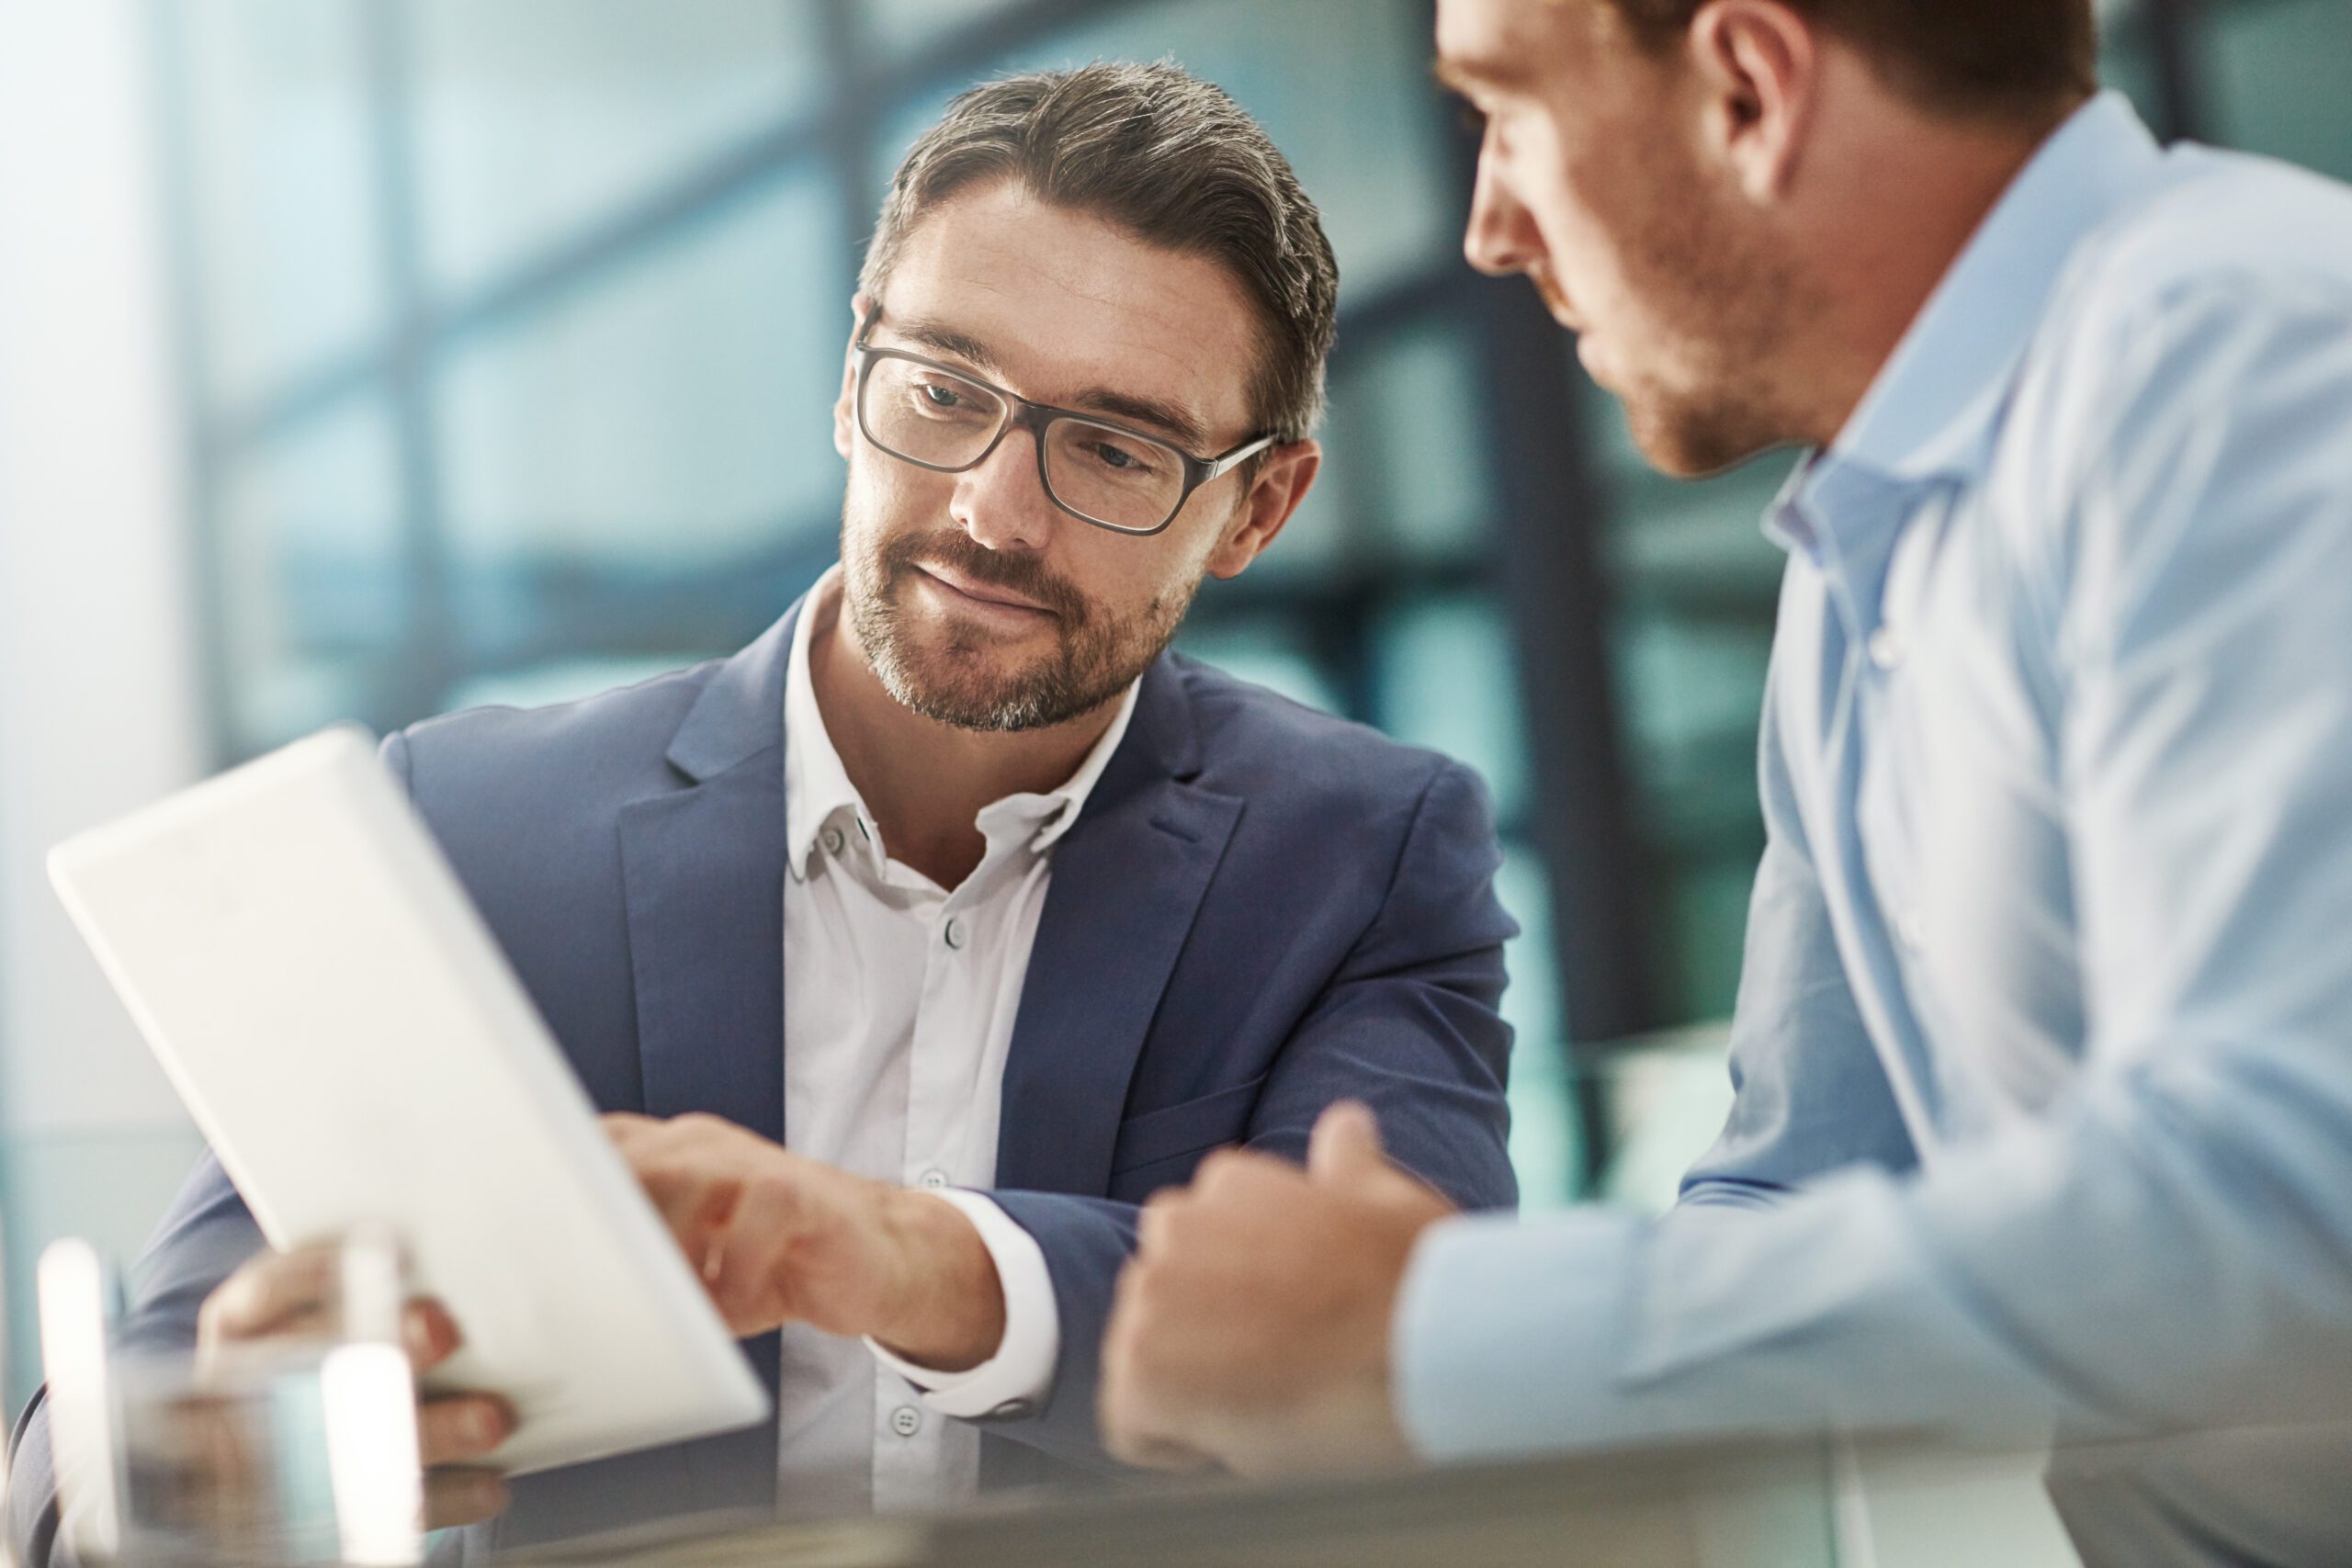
1038 419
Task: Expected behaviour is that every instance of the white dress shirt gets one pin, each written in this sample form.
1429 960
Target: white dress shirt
899 1000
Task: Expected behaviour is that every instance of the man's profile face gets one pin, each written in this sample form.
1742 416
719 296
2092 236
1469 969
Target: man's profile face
978 601
1592 181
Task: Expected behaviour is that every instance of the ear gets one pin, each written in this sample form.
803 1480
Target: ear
844 412
1759 69
1282 483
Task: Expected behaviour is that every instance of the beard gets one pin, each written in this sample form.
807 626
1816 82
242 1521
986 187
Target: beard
1693 435
1725 305
956 675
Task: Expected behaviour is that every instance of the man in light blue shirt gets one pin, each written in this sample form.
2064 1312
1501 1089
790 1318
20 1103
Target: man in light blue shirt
2043 1046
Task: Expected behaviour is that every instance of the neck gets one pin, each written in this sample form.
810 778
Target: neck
1929 190
925 782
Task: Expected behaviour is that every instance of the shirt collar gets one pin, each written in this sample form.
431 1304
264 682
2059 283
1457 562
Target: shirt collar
1930 410
817 791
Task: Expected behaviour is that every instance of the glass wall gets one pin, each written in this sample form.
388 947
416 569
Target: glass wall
512 331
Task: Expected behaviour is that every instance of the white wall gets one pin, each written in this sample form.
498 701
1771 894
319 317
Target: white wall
99 684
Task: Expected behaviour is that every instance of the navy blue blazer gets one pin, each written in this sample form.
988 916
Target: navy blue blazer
1259 910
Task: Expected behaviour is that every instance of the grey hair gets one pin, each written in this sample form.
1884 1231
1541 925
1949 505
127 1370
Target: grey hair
1170 159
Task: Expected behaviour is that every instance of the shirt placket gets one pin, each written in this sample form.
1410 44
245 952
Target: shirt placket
1868 517
913 1443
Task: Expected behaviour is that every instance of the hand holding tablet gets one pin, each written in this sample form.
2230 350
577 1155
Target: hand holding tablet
346 1033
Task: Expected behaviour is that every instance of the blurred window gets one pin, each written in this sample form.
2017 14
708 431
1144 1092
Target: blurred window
538 121
315 581
279 181
514 330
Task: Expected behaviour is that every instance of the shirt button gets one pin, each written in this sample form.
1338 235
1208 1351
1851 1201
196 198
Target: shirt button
1887 648
833 840
906 1420
931 1180
955 933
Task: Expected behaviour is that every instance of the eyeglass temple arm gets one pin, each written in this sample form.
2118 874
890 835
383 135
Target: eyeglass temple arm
1217 467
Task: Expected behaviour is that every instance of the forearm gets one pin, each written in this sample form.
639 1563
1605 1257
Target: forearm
2126 1269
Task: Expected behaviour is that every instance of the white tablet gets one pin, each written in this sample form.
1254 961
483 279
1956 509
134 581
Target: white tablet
349 1038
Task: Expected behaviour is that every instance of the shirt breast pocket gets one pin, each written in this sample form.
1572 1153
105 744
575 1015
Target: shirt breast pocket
1160 1148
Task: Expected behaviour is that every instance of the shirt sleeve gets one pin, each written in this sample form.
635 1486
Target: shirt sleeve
1022 1370
2167 1245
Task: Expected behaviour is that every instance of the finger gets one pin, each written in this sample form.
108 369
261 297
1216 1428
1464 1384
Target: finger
1151 1224
624 1127
744 1272
1134 1430
429 1334
1345 1145
694 1209
454 1497
269 1295
455 1427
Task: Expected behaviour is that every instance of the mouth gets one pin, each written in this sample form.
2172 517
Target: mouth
1556 301
959 587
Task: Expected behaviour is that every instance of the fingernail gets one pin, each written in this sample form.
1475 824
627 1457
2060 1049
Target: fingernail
487 1426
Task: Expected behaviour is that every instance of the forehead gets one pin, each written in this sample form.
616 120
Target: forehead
1064 300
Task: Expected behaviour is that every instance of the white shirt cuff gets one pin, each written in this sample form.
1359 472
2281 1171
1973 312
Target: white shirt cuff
1021 1371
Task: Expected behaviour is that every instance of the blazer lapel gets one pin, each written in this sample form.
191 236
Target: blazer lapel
1127 881
703 866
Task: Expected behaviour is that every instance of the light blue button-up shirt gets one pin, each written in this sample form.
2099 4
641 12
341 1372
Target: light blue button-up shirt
2043 1046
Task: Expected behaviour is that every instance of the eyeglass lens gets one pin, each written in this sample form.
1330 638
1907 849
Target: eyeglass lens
932 416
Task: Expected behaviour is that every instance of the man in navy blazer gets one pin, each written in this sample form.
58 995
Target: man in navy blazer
1131 909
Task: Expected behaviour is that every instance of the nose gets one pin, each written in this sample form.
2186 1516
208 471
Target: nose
1001 504
1500 237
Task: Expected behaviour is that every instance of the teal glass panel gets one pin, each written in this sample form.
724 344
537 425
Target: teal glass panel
281 189
1263 649
631 465
2281 79
1695 584
1546 1141
1423 403
892 29
537 119
313 588
1448 681
2126 62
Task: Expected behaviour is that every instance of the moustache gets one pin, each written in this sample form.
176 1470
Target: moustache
1023 576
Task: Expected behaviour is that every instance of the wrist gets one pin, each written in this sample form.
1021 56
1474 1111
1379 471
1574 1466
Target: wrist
949 1315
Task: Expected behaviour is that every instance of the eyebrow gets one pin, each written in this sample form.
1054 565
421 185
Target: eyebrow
1461 77
1170 419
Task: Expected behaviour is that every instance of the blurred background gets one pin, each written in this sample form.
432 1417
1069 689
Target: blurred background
371 358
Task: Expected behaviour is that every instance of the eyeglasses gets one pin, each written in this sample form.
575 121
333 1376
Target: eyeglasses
921 412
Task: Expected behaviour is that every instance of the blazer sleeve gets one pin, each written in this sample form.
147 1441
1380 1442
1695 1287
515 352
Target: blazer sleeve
1410 1024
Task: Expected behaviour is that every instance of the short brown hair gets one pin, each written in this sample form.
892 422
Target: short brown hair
1170 159
2016 57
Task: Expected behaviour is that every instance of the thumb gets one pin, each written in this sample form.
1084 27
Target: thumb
1345 1144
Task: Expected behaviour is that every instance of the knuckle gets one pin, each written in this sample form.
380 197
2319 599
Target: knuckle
1217 1165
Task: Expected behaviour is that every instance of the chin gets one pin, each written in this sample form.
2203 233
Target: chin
1685 443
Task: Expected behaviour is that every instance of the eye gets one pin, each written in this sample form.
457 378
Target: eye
941 397
1126 460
